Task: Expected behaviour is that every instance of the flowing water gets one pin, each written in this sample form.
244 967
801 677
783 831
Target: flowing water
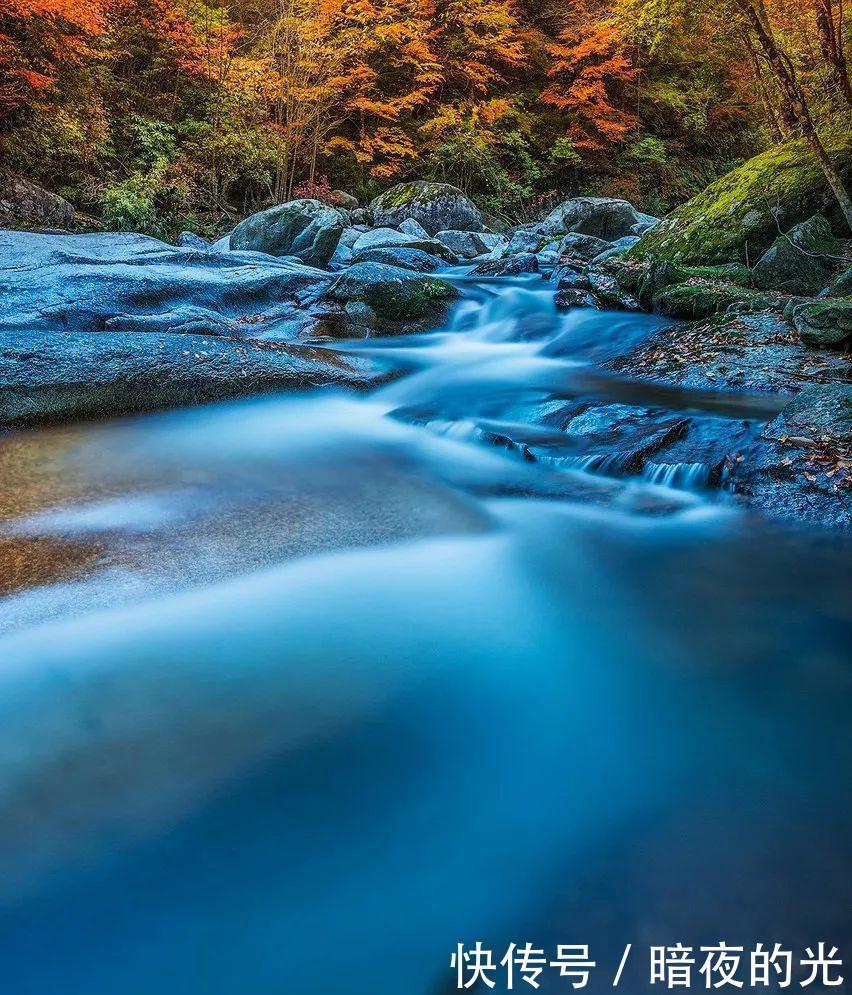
299 692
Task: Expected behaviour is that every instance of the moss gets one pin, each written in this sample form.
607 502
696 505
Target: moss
404 194
701 300
737 217
735 273
408 300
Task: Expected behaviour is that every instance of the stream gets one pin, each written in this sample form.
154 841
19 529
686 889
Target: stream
299 692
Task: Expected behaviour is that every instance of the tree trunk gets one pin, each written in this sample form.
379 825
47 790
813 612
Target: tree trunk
831 44
794 101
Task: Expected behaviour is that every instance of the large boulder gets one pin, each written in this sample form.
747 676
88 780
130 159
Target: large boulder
435 206
826 322
383 238
798 262
607 218
528 239
306 229
126 282
47 377
739 216
390 300
22 202
840 286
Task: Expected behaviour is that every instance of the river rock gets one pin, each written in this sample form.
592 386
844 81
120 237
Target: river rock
412 227
576 245
604 217
435 206
826 322
526 240
345 200
189 240
466 244
121 281
383 238
798 262
401 256
840 286
23 201
45 377
525 262
390 299
617 248
306 229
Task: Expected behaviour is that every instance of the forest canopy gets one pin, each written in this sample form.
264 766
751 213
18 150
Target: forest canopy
150 114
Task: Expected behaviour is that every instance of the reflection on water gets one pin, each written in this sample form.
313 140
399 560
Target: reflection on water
353 680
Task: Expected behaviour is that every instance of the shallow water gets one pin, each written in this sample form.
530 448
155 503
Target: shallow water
298 693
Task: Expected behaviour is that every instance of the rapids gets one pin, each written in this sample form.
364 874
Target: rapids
299 692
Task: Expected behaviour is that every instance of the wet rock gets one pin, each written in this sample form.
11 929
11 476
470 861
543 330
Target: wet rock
826 322
568 277
391 300
306 229
525 262
570 297
526 240
617 248
699 299
118 282
382 238
759 353
604 217
798 262
45 377
435 206
413 259
465 244
607 286
576 245
412 227
24 202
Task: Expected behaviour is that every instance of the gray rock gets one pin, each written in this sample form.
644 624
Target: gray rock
307 229
402 256
525 240
826 322
840 286
604 217
359 216
117 282
436 206
492 240
821 409
46 377
396 300
647 223
576 245
569 277
189 240
345 200
412 227
466 244
547 258
798 262
618 248
382 238
22 201
571 297
526 262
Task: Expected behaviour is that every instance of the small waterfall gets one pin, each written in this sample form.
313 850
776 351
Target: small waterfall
683 476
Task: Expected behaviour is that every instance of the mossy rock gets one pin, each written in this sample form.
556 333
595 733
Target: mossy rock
435 206
826 322
401 300
698 299
738 217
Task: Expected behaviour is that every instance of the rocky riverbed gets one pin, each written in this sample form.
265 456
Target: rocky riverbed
98 325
